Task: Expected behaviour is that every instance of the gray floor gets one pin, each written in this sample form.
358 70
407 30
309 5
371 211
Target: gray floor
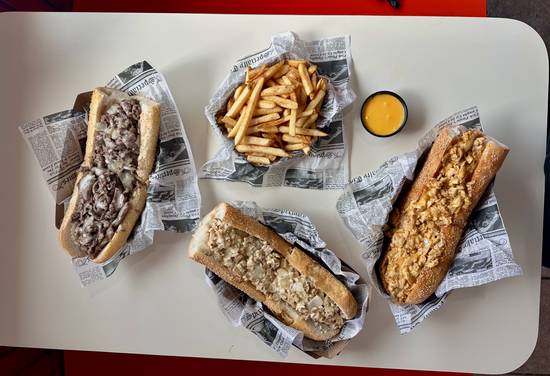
536 13
539 362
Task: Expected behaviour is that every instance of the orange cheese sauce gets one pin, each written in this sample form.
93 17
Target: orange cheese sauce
383 114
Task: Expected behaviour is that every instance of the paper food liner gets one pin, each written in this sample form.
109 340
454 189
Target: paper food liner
326 165
483 255
241 310
58 142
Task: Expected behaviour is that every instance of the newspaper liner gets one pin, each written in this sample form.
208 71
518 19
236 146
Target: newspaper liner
326 166
58 142
483 255
242 310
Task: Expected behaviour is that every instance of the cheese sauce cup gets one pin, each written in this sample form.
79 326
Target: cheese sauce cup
384 113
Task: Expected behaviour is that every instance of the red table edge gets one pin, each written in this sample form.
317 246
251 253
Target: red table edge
97 362
466 8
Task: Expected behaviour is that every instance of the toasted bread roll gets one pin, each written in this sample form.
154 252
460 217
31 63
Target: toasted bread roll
111 186
429 222
254 259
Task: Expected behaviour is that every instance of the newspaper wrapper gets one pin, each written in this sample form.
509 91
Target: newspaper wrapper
58 142
242 310
483 255
326 165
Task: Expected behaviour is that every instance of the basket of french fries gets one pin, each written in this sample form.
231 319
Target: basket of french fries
279 115
273 114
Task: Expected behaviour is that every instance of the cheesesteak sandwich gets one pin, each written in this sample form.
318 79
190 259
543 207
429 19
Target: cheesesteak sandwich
428 224
253 258
111 186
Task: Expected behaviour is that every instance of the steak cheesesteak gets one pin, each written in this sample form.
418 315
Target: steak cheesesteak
111 186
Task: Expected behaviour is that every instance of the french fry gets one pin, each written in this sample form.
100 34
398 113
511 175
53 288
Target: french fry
262 103
286 103
270 83
257 73
295 63
318 86
294 139
281 72
270 72
301 121
262 74
238 91
302 98
277 90
239 103
304 131
276 122
250 74
258 160
286 112
250 106
239 131
312 69
253 140
306 113
294 75
304 76
316 100
310 120
321 85
318 107
228 121
293 147
313 83
261 149
305 122
235 129
264 111
293 115
264 118
306 150
289 82
319 103
269 129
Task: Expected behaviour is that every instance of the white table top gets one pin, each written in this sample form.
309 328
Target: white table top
157 301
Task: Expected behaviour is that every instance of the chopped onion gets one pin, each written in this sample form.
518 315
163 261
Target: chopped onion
315 302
